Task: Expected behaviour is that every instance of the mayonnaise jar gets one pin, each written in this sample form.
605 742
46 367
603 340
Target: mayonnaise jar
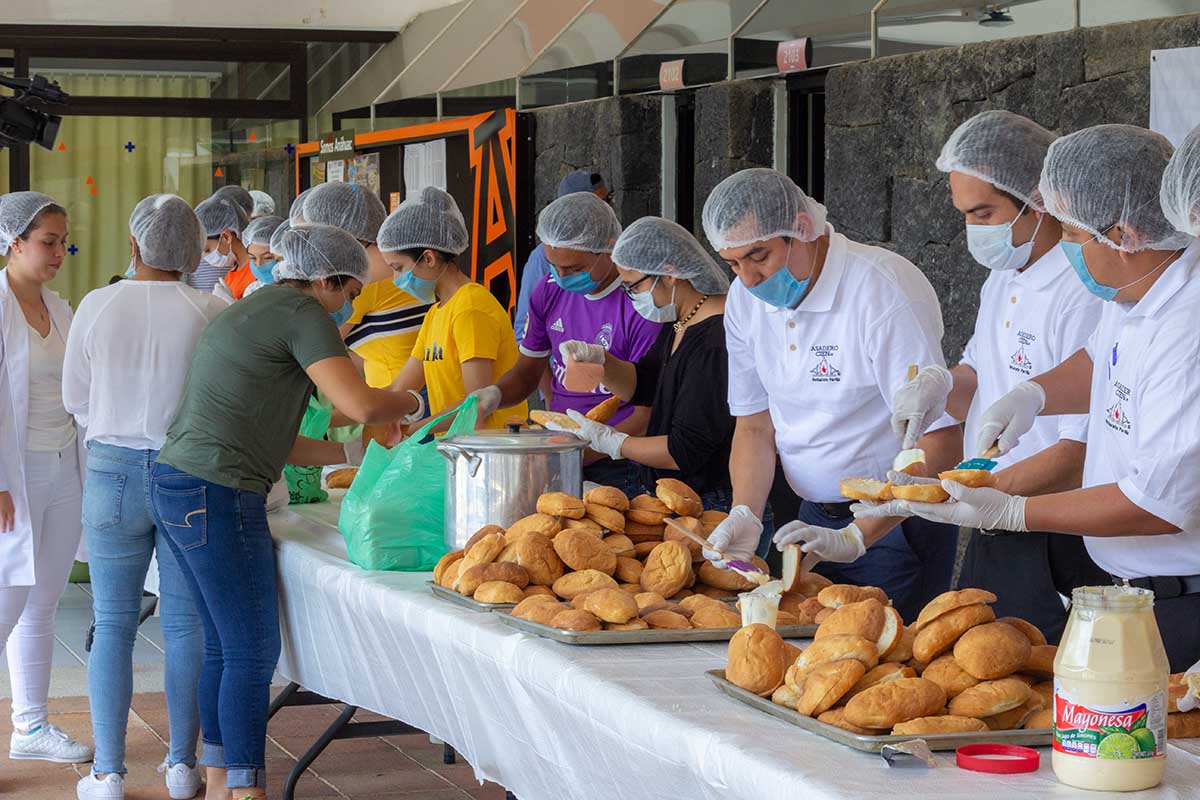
1110 692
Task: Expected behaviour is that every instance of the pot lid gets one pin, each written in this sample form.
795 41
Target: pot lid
507 441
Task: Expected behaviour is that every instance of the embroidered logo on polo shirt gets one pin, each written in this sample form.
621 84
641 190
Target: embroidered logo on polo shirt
825 371
1116 417
604 337
1019 362
557 327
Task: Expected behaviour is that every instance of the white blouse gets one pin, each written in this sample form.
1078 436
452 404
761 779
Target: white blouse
50 427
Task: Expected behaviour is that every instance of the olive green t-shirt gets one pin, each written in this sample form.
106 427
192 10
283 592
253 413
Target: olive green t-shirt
247 390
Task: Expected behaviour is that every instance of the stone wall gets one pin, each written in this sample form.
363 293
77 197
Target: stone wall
886 122
621 138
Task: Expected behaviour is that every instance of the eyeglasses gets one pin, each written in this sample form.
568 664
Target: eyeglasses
628 288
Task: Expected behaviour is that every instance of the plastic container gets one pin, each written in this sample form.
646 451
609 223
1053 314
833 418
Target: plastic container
1110 692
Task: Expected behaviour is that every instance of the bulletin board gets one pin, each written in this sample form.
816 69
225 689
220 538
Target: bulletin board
481 176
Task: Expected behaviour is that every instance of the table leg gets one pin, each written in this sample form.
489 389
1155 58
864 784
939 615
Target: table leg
448 754
310 755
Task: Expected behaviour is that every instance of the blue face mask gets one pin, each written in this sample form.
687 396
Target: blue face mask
578 282
263 272
1074 251
129 273
342 314
424 289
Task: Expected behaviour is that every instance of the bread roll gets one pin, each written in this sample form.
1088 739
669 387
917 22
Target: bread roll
534 590
611 605
668 569
945 672
880 674
948 601
826 685
472 578
536 554
608 496
1041 661
648 502
710 519
903 650
573 619
586 525
544 524
545 418
940 724
629 570
715 614
715 593
837 718
638 533
635 624
451 575
561 504
974 478
645 599
679 497
341 478
756 659
1016 717
1184 725
1036 637
868 489
1041 719
539 610
892 634
864 618
837 648
989 698
808 610
485 550
940 635
499 592
993 650
576 583
887 704
840 594
583 551
607 518
921 493
605 410
444 562
725 579
823 615
671 620
620 544
786 696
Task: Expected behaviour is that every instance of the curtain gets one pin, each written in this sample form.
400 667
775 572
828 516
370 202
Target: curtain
125 158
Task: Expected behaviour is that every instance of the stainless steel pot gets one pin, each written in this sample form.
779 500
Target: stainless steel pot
494 477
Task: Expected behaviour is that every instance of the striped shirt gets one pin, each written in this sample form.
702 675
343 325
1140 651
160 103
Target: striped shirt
385 323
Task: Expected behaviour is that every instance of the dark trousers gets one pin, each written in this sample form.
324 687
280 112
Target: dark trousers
912 564
1027 572
621 474
1179 625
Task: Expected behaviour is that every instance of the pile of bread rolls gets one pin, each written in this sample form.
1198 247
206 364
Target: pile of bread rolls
956 669
605 544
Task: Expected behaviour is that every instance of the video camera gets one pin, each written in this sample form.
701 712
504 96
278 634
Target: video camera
24 117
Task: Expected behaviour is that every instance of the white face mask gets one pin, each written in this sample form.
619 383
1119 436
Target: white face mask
215 258
991 245
644 304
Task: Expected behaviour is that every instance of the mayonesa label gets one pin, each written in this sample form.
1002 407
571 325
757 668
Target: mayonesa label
1136 729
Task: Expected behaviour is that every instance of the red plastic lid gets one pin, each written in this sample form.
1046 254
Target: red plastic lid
1012 759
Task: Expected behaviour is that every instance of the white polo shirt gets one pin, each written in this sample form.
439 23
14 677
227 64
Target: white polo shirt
1144 423
828 369
1029 322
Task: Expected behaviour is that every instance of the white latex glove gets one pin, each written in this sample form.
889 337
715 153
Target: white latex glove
602 438
889 508
919 402
354 449
841 545
1010 417
737 537
1191 699
489 400
582 352
984 508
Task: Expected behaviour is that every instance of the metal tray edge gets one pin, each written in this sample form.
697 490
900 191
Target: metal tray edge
873 744
660 636
451 596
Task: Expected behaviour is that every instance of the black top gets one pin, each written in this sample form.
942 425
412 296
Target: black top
686 392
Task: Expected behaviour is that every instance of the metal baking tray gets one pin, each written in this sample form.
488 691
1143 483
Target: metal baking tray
873 744
464 601
660 636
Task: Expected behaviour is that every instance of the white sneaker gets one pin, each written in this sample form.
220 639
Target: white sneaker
183 782
92 788
48 743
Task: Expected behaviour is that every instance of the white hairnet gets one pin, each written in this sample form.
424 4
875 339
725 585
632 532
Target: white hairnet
261 230
431 220
239 195
17 211
296 209
168 233
579 221
657 246
1111 175
220 214
310 252
1003 149
263 203
1180 192
353 208
759 204
277 236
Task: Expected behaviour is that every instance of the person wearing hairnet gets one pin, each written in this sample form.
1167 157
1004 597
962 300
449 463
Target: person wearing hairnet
223 220
465 342
670 278
1033 315
122 381
264 204
239 195
40 467
820 332
1135 378
251 377
383 326
256 238
580 301
296 209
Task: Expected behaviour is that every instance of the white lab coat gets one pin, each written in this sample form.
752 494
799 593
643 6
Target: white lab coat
16 548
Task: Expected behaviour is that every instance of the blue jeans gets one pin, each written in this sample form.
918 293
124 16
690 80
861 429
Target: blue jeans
913 563
722 500
221 538
121 536
621 473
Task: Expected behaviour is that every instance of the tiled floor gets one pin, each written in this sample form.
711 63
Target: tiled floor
396 768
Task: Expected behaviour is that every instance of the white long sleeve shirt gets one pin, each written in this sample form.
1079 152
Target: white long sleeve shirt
128 356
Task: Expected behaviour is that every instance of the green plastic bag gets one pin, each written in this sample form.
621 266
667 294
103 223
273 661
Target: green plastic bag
393 515
304 483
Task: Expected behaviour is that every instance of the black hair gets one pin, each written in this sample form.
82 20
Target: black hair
415 253
1021 205
115 279
35 223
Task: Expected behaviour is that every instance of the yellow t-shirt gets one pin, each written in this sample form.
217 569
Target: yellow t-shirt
386 322
471 325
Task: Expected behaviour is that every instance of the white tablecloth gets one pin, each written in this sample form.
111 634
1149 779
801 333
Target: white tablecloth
551 721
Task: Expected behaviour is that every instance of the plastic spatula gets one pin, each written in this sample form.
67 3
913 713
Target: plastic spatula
913 454
743 568
985 460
